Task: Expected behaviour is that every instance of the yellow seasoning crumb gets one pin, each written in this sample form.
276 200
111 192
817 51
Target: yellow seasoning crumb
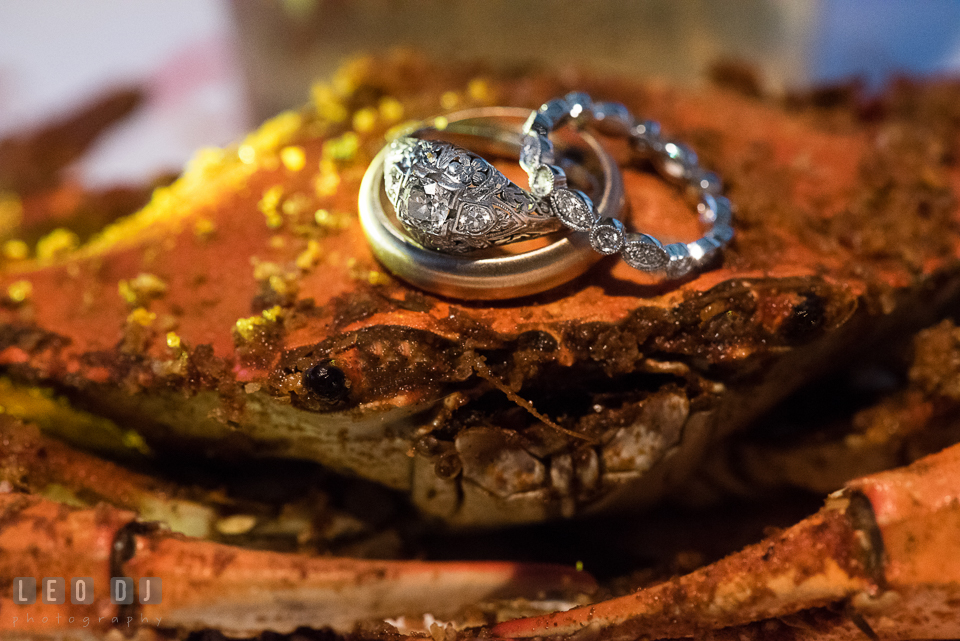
204 228
56 244
310 256
296 204
331 221
269 206
246 328
350 74
358 272
279 284
391 109
138 291
273 314
364 120
274 133
148 284
479 90
449 100
15 249
327 180
20 291
341 148
323 218
141 316
207 161
377 278
265 269
293 158
173 341
247 154
328 104
126 292
271 198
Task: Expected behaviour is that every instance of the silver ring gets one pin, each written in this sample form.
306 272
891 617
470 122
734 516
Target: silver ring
453 200
491 277
674 160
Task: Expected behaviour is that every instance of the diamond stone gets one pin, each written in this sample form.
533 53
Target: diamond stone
541 182
393 180
607 236
574 209
475 219
678 160
530 153
425 210
644 252
680 267
681 262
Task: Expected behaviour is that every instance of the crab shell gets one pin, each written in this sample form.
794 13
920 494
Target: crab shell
241 313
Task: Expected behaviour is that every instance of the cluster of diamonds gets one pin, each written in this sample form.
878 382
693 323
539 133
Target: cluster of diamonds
674 160
451 200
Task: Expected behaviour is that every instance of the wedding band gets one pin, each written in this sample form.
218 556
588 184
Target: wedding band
674 160
497 274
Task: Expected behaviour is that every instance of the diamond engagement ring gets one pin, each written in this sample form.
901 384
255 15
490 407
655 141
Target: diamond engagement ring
453 201
674 160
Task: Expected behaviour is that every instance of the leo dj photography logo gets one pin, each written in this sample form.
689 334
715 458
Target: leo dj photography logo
53 590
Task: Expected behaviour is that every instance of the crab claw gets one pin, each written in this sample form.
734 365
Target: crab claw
888 546
236 590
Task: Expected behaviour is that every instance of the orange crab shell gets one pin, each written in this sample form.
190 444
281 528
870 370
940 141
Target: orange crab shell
46 539
196 318
205 237
887 546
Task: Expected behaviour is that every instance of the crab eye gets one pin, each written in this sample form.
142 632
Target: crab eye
327 381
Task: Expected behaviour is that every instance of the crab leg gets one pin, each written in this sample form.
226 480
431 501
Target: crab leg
41 538
220 586
212 585
888 545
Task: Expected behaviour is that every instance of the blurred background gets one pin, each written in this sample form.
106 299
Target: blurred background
210 69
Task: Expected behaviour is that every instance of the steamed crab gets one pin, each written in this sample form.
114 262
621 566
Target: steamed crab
239 315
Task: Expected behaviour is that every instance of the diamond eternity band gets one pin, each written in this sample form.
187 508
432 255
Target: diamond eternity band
674 160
